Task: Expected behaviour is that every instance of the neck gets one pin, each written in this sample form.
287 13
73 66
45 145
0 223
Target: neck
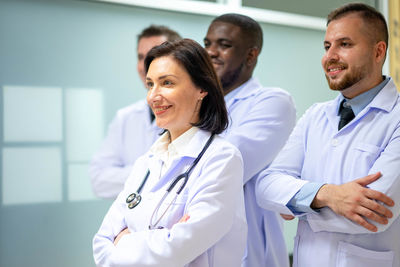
237 84
361 87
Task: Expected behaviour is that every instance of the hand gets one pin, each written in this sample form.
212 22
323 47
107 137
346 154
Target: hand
287 217
356 202
120 235
184 218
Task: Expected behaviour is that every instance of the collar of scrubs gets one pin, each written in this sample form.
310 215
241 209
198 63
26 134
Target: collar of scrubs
167 151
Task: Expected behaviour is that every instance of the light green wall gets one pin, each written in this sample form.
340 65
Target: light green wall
65 67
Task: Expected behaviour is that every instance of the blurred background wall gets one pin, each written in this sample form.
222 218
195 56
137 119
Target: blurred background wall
66 66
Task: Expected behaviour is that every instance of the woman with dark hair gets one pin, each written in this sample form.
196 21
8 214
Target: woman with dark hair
183 204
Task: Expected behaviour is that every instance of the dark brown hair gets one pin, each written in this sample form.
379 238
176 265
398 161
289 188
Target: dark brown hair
374 20
158 30
213 116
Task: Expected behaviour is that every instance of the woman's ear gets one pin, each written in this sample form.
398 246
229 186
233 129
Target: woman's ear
203 94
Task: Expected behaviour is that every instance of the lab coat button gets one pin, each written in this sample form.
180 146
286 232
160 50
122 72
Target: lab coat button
335 142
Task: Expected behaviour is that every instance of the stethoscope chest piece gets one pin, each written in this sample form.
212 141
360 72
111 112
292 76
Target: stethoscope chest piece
133 200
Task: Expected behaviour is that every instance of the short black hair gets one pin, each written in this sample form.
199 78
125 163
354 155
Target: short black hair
250 28
213 116
159 30
373 19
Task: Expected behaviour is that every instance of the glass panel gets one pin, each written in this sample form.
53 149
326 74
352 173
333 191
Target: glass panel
79 187
315 8
32 114
31 175
84 123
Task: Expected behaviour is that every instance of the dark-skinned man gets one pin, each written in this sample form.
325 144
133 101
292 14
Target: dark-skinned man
261 121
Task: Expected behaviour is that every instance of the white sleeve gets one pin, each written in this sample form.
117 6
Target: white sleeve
263 131
107 170
277 185
389 183
214 199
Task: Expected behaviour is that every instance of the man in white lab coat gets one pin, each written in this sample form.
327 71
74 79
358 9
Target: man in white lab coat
261 119
132 131
339 170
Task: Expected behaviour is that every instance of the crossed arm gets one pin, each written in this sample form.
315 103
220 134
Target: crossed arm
369 201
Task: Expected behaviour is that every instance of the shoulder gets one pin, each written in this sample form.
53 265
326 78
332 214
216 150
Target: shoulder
137 109
318 110
262 94
220 146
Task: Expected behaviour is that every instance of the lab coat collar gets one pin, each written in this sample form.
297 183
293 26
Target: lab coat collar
191 150
246 90
384 100
179 164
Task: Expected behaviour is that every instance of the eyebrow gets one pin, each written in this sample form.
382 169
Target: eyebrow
218 40
163 77
339 40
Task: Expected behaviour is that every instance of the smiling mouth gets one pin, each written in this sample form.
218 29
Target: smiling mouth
334 70
158 110
216 62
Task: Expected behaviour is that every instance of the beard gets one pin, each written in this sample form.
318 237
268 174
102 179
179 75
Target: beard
348 79
231 77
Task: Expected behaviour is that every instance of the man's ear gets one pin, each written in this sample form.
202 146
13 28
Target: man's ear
252 54
380 51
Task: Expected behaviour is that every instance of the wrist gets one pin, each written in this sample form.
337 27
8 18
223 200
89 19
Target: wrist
321 199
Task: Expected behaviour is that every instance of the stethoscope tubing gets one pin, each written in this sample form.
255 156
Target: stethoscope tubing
184 176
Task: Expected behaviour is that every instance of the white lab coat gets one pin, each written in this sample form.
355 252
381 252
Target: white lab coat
215 234
130 135
317 151
261 119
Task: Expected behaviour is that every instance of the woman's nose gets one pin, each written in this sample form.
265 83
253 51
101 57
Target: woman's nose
153 94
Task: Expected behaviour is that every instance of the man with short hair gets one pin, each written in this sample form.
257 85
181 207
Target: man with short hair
132 131
339 170
261 121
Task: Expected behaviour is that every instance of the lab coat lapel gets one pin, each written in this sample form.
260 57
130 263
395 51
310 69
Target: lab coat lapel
331 112
181 164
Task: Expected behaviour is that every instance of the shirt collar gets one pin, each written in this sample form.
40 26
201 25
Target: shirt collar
167 151
359 102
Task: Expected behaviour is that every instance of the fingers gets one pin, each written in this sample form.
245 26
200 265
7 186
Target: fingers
364 223
120 235
184 218
379 196
364 181
287 217
377 208
372 215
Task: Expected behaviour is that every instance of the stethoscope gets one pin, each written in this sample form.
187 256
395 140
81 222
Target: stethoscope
134 199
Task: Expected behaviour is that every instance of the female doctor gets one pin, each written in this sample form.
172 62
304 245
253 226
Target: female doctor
182 205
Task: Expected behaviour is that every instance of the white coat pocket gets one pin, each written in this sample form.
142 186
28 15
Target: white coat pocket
368 152
350 255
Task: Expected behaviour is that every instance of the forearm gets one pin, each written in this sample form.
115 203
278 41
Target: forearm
108 182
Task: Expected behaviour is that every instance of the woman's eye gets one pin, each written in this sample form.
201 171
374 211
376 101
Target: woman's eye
166 82
149 85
